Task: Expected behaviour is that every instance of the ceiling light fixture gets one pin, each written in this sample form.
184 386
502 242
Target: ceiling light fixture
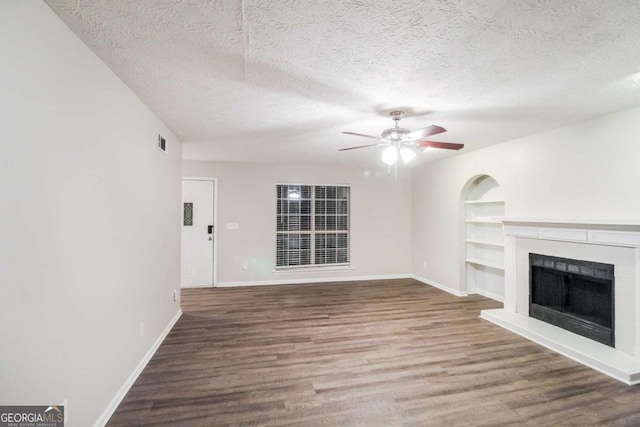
401 142
407 154
390 155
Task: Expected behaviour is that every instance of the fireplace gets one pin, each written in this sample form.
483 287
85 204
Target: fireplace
615 245
575 295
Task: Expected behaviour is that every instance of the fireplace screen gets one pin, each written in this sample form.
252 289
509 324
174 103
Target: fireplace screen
574 295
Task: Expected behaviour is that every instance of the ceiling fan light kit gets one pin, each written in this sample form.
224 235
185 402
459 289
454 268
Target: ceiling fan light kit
401 142
390 155
407 154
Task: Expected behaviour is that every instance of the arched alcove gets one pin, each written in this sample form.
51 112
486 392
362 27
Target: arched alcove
483 204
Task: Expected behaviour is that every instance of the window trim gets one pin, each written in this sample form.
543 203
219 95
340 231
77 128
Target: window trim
317 267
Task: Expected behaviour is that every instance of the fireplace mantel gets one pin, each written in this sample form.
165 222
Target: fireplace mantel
585 222
603 235
599 232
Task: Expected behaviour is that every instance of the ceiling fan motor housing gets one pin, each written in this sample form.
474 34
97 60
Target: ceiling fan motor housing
395 134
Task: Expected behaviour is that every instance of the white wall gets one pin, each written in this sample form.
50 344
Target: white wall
89 220
587 170
380 219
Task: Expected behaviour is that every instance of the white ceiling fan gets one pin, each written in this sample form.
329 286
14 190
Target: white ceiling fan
401 142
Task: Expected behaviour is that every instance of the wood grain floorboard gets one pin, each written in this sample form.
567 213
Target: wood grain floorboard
388 353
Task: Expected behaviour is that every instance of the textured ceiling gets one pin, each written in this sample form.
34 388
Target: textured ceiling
269 80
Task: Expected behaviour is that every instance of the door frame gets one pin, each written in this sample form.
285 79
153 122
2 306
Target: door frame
214 277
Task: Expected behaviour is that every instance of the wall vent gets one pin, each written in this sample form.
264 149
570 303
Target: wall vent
162 143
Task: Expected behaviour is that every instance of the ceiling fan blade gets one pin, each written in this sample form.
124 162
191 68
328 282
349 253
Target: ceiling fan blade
359 146
361 134
425 132
444 145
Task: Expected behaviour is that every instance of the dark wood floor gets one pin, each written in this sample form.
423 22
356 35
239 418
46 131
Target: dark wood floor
361 353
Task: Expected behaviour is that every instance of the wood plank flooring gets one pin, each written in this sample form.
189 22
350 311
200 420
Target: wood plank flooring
393 352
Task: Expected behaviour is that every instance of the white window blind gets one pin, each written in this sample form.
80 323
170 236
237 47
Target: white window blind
312 225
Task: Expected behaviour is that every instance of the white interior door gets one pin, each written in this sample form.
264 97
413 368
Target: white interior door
197 233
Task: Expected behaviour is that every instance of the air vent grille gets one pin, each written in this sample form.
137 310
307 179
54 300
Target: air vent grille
162 143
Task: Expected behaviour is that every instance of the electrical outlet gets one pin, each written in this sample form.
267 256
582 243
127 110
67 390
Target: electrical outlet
175 295
141 329
424 264
245 266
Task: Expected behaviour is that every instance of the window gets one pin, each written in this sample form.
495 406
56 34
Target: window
312 225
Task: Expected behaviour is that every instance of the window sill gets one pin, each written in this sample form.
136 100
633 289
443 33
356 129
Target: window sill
298 270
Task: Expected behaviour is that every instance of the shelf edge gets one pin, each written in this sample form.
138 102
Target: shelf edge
476 261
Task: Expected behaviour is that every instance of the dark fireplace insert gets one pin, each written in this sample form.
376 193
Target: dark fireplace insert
574 295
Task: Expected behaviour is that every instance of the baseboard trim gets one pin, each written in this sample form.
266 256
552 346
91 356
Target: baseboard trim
491 295
113 405
439 286
196 287
314 280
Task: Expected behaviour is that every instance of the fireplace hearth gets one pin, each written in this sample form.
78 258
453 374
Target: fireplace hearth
575 295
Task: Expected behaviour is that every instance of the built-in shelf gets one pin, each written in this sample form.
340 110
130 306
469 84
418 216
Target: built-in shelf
484 221
483 242
484 238
483 202
486 263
